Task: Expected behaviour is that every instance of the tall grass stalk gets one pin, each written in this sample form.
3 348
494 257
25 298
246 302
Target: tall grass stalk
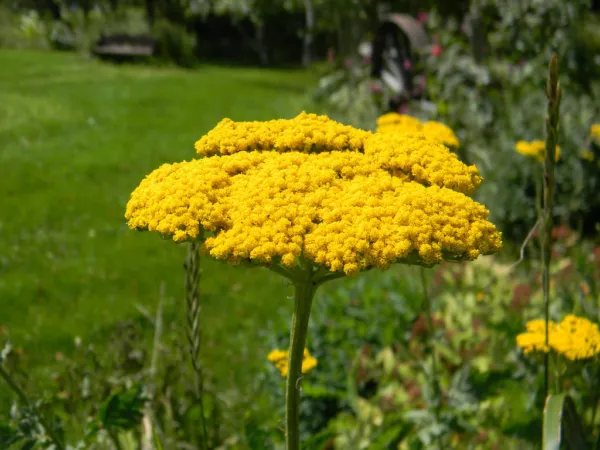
192 303
553 92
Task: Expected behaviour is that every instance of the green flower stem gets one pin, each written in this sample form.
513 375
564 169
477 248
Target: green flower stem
304 291
17 390
553 93
431 344
192 298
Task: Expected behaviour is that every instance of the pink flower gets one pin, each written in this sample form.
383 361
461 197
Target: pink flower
404 109
407 64
366 60
436 50
422 17
376 88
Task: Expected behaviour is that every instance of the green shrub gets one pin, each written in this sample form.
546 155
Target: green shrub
24 30
174 44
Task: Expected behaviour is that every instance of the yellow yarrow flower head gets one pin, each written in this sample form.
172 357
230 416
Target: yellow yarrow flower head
574 337
535 149
578 338
401 123
385 199
279 358
595 133
534 340
441 133
305 133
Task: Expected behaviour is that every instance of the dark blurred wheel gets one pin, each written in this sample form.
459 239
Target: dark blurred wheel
393 56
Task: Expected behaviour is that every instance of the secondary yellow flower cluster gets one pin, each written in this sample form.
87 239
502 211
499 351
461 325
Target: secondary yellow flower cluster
391 198
279 358
305 133
536 149
595 133
437 131
575 337
588 155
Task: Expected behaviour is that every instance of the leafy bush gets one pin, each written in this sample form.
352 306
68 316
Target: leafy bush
174 43
21 30
490 91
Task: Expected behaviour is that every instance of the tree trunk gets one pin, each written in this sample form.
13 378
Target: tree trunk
150 12
54 9
308 33
261 46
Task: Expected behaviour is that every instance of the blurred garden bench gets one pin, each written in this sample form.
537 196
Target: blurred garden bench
120 47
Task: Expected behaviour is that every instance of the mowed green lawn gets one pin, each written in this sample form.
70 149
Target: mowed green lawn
76 137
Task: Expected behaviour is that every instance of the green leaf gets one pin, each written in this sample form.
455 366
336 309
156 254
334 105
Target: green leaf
8 436
123 410
156 438
561 418
388 438
573 427
257 438
551 431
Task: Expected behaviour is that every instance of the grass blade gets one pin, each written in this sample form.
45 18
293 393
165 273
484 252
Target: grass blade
552 427
561 418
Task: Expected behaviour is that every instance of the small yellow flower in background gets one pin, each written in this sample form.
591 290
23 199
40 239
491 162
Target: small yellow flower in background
587 155
536 149
534 340
402 123
393 119
595 133
441 133
574 338
279 358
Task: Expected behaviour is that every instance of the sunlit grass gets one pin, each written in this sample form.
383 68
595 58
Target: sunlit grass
76 136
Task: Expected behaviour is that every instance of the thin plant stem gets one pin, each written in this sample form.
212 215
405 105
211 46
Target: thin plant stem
596 383
427 306
553 92
304 291
192 297
21 395
114 437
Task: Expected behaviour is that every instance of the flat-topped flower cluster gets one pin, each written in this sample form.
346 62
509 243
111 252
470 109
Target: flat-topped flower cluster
574 337
344 199
402 123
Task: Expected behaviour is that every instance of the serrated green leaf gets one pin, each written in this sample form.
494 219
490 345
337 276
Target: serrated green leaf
387 438
123 410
